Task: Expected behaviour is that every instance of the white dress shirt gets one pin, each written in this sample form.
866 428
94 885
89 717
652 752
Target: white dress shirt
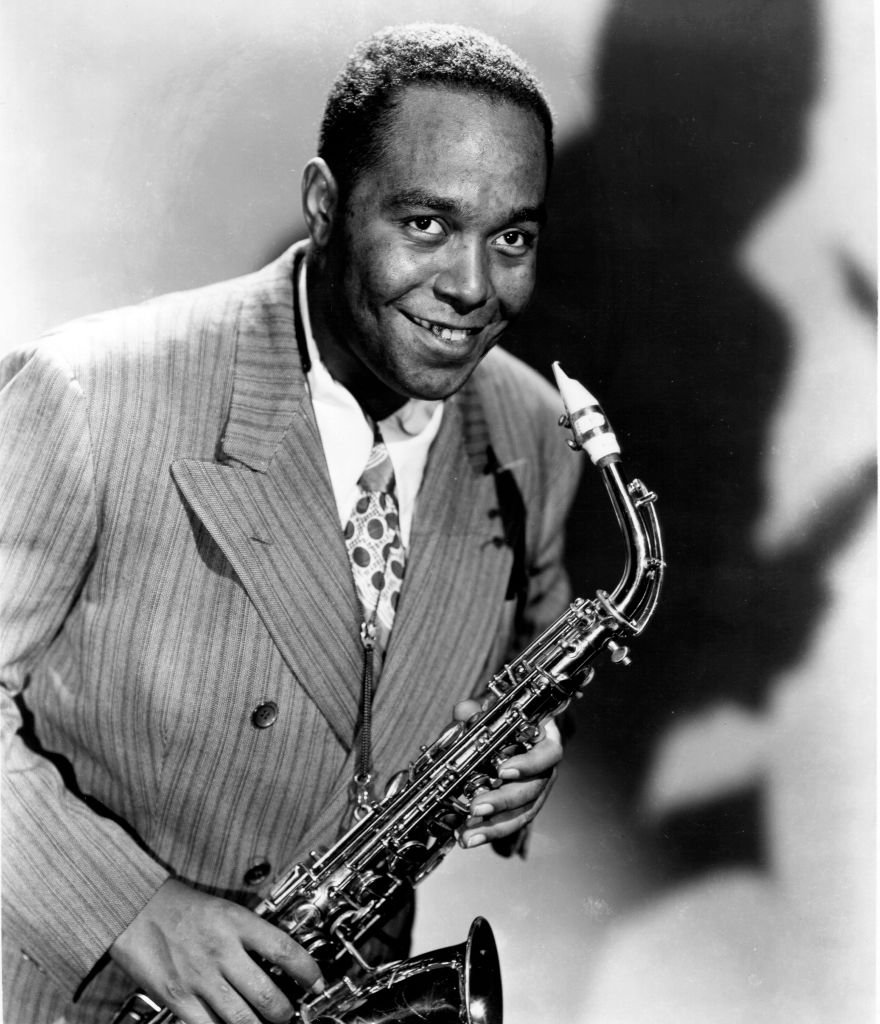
347 433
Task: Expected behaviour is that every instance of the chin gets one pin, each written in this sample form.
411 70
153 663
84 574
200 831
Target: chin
440 385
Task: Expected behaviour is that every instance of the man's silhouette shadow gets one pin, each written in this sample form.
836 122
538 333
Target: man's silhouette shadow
641 295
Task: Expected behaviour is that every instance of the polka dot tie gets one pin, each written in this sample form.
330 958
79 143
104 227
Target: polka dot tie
372 536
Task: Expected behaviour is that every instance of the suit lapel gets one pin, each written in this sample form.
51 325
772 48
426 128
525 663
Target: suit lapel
269 506
457 572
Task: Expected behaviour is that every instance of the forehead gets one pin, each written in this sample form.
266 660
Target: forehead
462 144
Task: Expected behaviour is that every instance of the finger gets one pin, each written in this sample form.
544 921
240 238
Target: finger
186 1007
542 757
278 948
232 1007
509 798
499 827
505 811
256 992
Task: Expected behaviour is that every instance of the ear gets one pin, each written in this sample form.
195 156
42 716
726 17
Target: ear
320 199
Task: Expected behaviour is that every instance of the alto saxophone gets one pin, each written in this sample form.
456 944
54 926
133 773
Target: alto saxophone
331 903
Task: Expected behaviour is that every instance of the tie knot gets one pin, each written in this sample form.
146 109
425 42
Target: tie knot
378 474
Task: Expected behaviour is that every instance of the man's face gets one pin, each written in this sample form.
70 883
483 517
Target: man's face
434 252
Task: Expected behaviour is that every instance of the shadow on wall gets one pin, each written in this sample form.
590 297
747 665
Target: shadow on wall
702 107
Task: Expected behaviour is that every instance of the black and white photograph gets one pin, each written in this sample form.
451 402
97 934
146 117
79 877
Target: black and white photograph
438 566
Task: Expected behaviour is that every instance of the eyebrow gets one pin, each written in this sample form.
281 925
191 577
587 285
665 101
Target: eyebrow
443 204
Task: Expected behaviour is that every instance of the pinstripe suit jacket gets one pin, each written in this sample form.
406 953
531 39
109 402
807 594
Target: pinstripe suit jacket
172 559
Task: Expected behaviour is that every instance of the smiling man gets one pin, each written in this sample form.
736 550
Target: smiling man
260 539
423 262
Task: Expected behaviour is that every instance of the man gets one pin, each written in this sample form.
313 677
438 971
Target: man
182 644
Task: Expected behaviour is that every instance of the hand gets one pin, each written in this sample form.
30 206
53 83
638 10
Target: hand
527 779
190 951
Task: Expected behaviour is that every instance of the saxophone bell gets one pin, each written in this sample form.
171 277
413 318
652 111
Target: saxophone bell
455 985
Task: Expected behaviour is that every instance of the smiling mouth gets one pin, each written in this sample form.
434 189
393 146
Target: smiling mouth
442 331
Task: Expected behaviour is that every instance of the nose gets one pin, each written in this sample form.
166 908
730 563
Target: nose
464 280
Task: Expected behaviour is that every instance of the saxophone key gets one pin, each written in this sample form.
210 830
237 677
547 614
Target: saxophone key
396 785
340 921
371 886
588 676
449 735
529 734
429 754
444 825
437 856
498 759
317 944
480 784
460 805
301 915
497 686
138 1009
619 653
407 856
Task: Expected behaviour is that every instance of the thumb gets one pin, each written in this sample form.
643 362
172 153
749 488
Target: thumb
465 709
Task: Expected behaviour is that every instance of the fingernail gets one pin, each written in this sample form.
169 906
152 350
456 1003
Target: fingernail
483 810
473 841
509 773
318 987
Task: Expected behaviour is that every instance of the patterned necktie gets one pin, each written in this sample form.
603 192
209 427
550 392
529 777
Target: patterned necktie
372 537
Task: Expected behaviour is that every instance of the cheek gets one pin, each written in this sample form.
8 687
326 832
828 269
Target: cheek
515 288
379 277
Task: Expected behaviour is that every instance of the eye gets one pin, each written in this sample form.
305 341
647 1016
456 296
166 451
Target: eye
425 225
515 242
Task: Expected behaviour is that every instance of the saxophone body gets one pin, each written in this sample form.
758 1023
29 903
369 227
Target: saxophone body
334 901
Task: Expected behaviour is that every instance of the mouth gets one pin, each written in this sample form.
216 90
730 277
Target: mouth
443 331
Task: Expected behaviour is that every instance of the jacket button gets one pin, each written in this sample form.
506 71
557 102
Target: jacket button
257 872
264 715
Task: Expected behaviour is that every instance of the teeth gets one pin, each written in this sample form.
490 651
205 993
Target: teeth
446 333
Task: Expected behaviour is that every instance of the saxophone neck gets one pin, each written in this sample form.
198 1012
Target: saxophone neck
634 599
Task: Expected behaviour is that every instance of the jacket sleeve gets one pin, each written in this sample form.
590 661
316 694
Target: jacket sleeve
73 878
547 586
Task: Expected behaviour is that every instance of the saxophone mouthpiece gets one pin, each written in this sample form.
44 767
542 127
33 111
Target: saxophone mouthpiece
589 425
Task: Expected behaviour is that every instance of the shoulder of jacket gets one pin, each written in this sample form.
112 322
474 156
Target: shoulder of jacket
522 410
146 329
514 390
175 325
137 361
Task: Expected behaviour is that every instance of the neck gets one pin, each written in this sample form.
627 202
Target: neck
374 397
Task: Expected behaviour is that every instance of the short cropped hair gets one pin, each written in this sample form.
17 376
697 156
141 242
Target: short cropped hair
357 118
